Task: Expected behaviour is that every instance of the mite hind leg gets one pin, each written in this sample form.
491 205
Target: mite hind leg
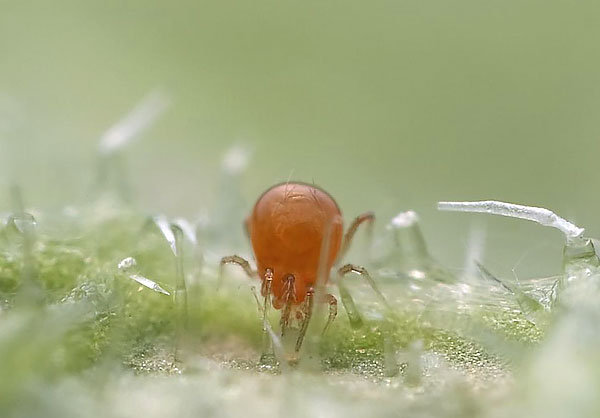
368 217
235 259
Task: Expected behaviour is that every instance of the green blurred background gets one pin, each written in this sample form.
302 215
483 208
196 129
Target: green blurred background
389 105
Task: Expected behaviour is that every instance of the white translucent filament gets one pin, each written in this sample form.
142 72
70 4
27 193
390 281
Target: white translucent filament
540 215
136 121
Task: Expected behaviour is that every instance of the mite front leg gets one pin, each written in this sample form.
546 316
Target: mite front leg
235 259
289 296
332 301
266 292
365 217
362 272
307 314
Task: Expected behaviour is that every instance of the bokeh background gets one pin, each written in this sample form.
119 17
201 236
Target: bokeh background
389 105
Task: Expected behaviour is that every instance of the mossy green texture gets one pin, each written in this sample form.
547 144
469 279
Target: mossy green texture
70 315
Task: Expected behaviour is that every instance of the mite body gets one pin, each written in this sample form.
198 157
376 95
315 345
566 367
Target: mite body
287 229
296 231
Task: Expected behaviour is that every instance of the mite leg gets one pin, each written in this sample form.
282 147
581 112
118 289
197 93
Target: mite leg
289 295
266 292
332 301
307 313
361 271
235 259
365 217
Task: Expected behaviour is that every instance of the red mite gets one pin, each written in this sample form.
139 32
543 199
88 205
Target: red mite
296 232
